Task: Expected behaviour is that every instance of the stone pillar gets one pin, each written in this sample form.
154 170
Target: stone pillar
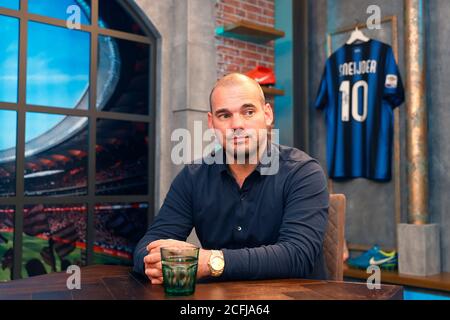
194 67
186 71
194 70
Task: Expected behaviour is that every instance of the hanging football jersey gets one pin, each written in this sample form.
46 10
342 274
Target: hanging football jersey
360 87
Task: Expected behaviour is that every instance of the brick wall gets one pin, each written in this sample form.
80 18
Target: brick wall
240 56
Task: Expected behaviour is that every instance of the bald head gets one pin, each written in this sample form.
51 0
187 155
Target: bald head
236 79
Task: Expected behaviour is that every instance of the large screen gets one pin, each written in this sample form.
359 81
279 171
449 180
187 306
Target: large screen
57 145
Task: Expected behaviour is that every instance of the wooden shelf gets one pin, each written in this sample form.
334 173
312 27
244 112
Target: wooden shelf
249 31
439 282
270 91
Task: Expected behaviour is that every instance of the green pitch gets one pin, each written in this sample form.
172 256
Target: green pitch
32 247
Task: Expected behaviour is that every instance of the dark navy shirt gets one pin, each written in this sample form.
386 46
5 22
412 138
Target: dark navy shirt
272 227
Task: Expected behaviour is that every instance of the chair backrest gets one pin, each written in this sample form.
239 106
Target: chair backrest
333 245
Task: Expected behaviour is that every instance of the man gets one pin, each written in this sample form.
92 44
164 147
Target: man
251 225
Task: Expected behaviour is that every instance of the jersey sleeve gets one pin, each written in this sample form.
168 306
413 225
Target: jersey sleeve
322 94
393 85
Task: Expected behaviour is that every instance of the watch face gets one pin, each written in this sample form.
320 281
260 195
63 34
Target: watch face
217 263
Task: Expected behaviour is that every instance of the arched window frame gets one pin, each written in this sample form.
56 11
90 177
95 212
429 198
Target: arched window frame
19 200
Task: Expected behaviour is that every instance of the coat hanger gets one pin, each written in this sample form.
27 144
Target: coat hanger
357 35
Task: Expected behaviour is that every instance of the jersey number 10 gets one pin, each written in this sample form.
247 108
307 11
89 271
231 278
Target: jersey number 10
345 90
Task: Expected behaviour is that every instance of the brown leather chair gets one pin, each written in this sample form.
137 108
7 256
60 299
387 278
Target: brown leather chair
333 245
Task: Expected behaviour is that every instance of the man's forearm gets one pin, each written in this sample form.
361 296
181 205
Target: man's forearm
281 260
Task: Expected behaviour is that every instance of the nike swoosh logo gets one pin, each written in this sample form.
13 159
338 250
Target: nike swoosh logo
261 79
378 262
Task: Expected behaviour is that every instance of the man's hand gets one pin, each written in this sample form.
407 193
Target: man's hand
152 261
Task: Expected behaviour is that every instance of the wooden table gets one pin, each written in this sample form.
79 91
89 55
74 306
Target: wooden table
119 283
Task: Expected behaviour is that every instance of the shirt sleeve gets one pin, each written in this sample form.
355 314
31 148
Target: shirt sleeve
322 94
301 234
393 85
174 220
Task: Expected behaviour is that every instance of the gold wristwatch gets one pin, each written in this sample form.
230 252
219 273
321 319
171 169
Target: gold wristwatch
216 263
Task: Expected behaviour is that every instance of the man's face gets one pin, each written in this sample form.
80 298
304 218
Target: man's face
240 117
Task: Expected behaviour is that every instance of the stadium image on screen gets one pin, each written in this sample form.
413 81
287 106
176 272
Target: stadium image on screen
57 145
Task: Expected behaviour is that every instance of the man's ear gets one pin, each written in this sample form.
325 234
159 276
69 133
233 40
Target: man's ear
268 114
210 122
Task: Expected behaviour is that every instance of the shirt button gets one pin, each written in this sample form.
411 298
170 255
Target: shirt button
238 228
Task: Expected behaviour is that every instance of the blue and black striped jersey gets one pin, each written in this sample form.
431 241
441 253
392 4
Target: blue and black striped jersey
360 87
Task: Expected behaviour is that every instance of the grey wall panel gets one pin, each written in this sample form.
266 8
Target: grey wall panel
438 85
